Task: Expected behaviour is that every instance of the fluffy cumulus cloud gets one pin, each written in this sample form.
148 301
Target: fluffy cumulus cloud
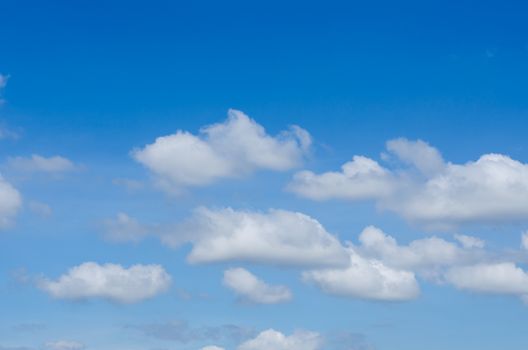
109 281
37 163
425 189
253 289
422 255
361 178
230 149
276 237
212 347
366 279
64 345
272 339
492 278
10 203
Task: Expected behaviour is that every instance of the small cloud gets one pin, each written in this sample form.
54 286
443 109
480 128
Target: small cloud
3 80
37 163
109 281
524 240
124 229
253 289
3 83
64 345
469 242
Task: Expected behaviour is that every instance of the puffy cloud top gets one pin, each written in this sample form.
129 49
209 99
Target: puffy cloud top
277 237
37 163
64 345
109 281
272 339
233 148
253 289
429 191
366 279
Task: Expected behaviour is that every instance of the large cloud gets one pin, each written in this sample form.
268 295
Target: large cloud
230 149
253 289
109 281
426 189
277 237
10 203
366 279
272 339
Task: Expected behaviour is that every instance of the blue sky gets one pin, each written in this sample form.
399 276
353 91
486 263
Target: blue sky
267 175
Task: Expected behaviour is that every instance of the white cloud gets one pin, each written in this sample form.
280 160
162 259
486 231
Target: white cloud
230 149
421 255
419 154
277 237
212 347
10 203
109 281
64 345
470 241
366 279
493 189
362 178
492 278
37 163
272 339
252 289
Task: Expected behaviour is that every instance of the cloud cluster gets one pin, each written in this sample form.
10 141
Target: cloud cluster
109 281
376 268
230 149
426 189
366 279
10 203
253 289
